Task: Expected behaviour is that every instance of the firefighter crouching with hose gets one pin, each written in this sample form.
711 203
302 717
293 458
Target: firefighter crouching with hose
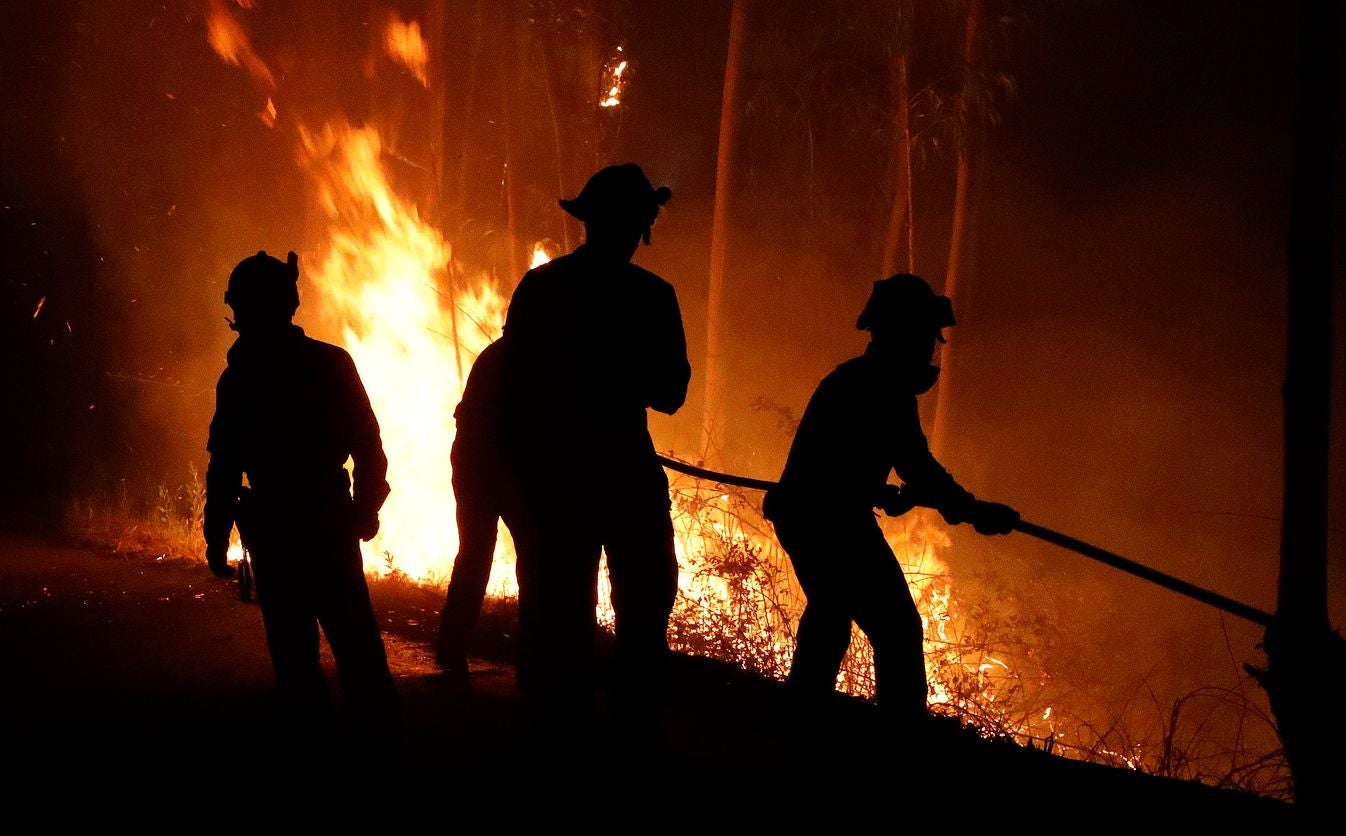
860 425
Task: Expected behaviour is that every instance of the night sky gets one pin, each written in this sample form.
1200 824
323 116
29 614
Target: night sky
1120 342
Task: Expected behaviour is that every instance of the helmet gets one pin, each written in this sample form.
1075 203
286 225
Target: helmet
905 301
618 194
262 287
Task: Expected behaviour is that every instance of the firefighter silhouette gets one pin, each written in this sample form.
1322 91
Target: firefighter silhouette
861 425
482 492
289 412
591 341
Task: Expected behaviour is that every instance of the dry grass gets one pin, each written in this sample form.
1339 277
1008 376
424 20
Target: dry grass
739 603
166 525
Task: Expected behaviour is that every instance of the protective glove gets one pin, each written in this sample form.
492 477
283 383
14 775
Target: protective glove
366 524
217 557
993 518
894 501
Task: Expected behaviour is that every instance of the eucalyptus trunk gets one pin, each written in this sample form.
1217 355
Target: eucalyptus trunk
436 24
712 415
901 209
511 78
958 235
1306 659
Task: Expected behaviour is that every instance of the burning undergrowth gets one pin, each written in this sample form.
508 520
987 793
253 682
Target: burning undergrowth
987 662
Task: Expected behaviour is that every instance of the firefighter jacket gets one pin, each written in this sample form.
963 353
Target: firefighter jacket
591 342
289 412
861 425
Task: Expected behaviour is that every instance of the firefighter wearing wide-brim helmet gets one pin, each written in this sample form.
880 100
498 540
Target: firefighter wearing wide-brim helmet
263 290
861 426
905 318
618 198
905 303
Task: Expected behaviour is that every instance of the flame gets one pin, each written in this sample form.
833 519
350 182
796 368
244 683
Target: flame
614 81
405 45
380 279
268 114
543 251
231 42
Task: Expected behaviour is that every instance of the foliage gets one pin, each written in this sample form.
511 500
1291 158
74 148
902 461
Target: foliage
167 526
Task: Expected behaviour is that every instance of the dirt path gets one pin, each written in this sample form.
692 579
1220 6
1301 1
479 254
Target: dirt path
131 658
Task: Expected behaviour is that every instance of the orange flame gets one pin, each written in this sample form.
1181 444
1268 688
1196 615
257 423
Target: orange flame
614 81
268 114
543 251
405 45
379 278
231 42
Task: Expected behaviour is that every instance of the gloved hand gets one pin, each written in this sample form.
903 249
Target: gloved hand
217 557
366 524
894 502
993 518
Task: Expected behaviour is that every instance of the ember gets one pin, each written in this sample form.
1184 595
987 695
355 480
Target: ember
406 46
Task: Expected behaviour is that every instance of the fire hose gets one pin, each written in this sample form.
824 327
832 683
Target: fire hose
1056 538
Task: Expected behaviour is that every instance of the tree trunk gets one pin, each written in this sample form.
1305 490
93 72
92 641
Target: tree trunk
901 210
712 415
958 235
469 105
511 76
548 67
1306 659
436 24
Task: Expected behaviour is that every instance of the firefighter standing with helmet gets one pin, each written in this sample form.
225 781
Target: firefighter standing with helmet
860 425
289 412
592 341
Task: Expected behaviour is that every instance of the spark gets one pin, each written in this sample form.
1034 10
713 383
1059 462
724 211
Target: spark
231 42
614 81
268 114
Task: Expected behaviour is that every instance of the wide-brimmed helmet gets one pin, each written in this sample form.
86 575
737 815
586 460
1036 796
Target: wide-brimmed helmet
618 195
905 302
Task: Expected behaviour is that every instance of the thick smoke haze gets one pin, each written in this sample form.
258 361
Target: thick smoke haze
1115 370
